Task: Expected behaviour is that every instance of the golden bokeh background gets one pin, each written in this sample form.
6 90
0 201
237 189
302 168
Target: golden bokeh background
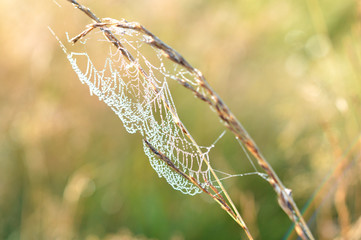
289 70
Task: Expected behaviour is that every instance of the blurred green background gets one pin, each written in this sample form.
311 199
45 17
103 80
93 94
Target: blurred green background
289 70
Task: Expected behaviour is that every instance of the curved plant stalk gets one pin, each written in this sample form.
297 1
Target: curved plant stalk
209 96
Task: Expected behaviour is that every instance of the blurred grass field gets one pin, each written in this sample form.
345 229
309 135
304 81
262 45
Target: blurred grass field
289 70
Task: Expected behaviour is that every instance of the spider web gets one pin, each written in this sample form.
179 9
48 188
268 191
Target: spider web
138 92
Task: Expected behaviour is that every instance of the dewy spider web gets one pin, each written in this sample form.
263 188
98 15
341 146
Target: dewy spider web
130 93
138 93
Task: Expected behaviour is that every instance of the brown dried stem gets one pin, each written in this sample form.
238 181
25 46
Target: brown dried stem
285 199
217 197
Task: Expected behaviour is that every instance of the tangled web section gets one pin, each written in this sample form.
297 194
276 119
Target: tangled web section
138 92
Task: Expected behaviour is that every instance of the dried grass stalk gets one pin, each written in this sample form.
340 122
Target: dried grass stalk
209 96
